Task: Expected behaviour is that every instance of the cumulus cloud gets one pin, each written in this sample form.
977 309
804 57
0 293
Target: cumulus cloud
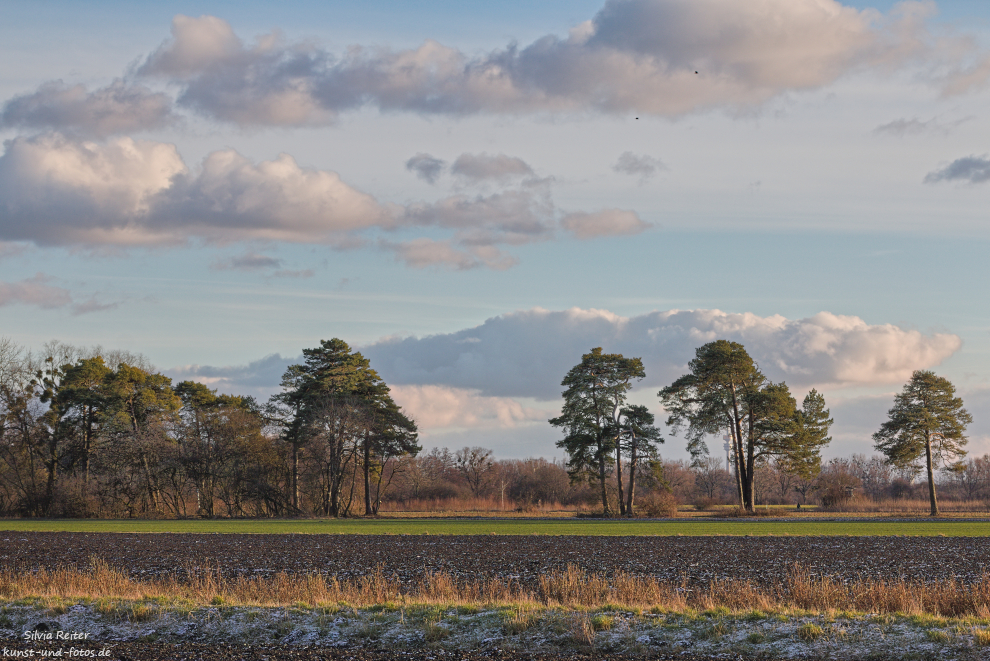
260 378
37 292
196 43
433 407
638 165
426 167
439 408
974 169
506 372
525 354
268 83
60 190
665 57
609 222
116 109
510 216
57 191
485 167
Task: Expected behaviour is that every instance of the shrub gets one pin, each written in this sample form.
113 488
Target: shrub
705 504
757 511
658 505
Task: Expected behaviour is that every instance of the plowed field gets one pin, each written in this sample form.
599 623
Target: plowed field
763 560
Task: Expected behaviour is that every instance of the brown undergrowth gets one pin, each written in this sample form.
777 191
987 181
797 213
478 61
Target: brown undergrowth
571 588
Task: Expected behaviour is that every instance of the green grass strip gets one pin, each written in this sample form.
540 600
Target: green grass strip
947 528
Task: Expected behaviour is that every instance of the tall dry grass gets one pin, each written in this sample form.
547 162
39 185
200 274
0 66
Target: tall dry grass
439 505
569 588
906 506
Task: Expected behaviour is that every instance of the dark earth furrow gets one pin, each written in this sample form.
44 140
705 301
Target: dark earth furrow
763 560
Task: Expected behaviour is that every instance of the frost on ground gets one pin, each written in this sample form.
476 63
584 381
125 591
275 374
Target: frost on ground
712 634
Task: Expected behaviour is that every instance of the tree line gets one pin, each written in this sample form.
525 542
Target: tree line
726 393
101 433
89 432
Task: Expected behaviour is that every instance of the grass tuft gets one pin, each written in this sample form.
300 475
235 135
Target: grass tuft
113 592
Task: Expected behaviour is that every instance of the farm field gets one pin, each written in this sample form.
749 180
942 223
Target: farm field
407 559
712 596
856 526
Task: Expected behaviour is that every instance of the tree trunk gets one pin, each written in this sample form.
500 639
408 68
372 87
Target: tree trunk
87 444
294 479
632 476
367 477
606 511
618 477
736 432
749 471
152 492
52 466
931 474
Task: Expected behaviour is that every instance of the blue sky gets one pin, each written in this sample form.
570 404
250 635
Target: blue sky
261 177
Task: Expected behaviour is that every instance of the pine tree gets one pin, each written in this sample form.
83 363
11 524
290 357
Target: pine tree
595 392
927 419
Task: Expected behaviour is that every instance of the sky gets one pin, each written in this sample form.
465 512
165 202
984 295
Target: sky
476 194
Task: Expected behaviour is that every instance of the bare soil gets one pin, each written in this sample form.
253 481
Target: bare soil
762 560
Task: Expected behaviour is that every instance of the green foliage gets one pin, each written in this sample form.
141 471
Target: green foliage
595 391
812 423
925 414
726 392
339 408
927 420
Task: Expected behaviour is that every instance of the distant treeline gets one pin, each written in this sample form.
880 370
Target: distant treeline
95 433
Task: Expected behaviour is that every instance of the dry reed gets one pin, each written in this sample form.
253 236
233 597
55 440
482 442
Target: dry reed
570 588
469 504
906 506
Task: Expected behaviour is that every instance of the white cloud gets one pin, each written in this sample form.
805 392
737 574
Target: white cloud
510 216
260 378
526 354
486 378
115 109
974 169
665 57
270 83
57 190
440 407
609 222
197 43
